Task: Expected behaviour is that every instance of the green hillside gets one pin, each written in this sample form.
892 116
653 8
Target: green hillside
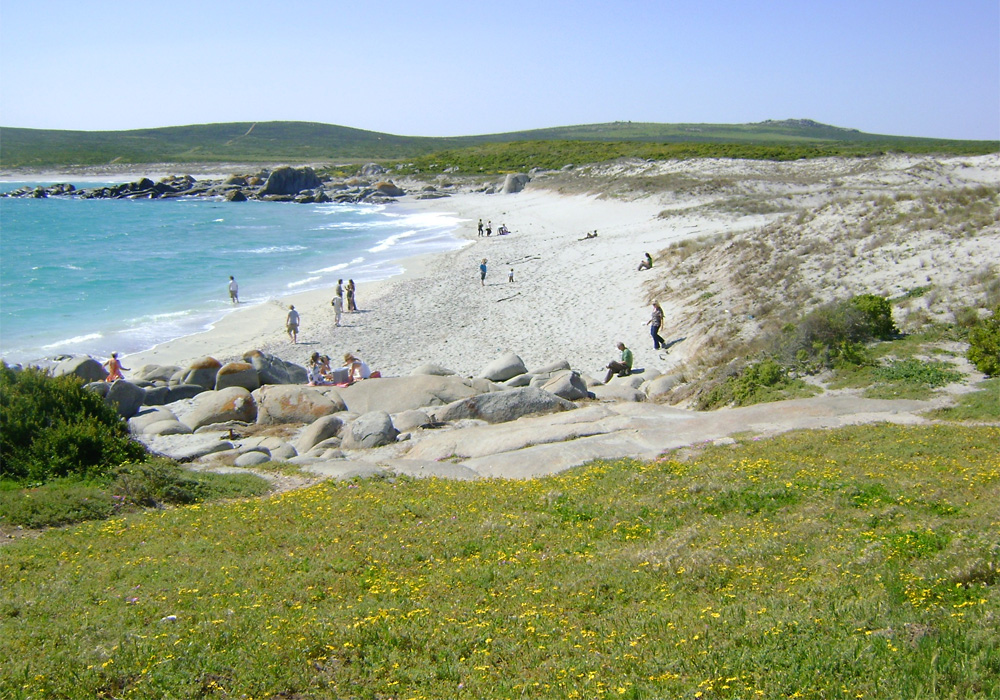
268 142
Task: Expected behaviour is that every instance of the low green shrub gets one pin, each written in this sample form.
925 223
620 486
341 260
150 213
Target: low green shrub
765 380
129 488
984 344
835 334
53 427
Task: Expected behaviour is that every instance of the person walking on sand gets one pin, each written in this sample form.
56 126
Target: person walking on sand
292 323
351 306
115 368
654 324
338 309
234 290
482 272
622 368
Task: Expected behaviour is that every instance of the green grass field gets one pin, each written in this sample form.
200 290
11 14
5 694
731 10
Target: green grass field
857 563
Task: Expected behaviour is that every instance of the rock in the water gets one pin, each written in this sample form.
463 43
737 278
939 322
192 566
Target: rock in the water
287 180
504 368
370 430
503 406
389 189
232 404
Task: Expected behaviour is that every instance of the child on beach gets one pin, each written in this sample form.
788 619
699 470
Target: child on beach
510 277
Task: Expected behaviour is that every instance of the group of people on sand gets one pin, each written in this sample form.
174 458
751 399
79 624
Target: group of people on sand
353 370
293 319
487 230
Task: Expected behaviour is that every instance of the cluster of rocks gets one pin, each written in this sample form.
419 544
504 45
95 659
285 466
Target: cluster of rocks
282 184
259 409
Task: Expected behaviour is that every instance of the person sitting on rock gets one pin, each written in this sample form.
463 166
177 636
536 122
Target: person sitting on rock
315 373
356 368
622 368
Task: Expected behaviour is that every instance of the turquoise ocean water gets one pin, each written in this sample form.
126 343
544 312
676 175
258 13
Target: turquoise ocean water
96 276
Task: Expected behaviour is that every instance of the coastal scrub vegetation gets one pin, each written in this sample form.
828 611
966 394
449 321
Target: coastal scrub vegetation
53 427
984 344
861 562
307 142
66 457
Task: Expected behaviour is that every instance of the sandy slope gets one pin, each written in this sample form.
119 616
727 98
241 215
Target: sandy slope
574 299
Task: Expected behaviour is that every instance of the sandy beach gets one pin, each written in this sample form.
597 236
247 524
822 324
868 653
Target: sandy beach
573 298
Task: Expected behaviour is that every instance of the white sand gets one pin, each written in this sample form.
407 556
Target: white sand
571 299
575 299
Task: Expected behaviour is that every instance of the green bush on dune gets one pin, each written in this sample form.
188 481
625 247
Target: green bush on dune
984 344
53 428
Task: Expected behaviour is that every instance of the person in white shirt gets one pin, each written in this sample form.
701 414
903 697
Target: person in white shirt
234 290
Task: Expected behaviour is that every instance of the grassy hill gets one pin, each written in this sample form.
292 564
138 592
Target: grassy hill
250 142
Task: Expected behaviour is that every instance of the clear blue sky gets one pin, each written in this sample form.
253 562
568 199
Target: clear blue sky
457 67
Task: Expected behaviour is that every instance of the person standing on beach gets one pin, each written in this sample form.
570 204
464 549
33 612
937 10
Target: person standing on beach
510 277
351 306
292 323
338 309
654 324
480 227
340 289
489 228
234 290
482 272
114 368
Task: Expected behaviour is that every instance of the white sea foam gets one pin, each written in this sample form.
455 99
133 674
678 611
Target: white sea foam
302 283
72 341
389 242
332 268
269 250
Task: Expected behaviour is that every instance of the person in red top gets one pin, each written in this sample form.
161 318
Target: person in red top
114 368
